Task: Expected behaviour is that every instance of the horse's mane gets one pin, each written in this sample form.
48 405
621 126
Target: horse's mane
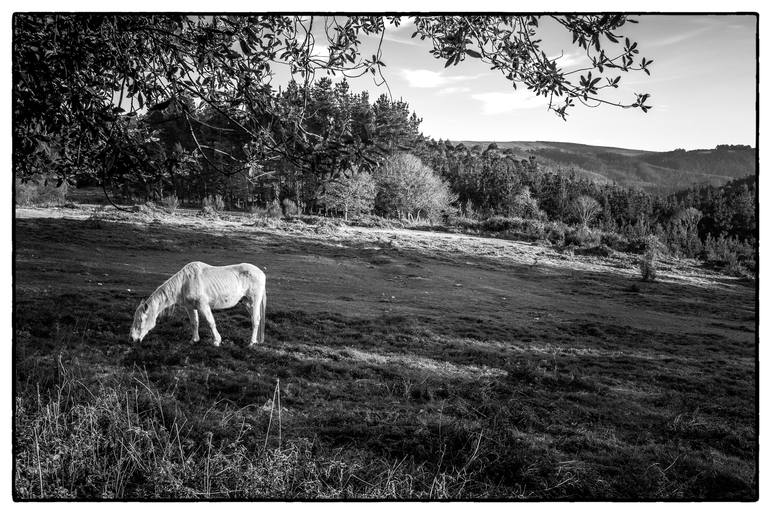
168 291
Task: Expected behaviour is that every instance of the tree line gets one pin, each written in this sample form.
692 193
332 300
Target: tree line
173 105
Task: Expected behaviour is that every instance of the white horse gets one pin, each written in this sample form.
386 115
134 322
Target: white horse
199 288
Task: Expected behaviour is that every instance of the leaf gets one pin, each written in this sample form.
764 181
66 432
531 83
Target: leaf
245 48
473 53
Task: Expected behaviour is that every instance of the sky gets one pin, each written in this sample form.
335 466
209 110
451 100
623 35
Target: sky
702 87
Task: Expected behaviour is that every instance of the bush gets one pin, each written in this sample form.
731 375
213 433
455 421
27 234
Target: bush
372 221
271 211
215 202
581 237
171 203
289 208
408 188
614 241
555 234
469 211
647 264
501 224
42 192
352 195
208 211
730 254
647 267
640 245
525 206
274 210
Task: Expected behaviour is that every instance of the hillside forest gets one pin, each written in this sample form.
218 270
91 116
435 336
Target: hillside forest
183 110
371 158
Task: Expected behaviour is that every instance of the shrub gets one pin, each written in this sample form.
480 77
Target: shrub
289 208
731 254
640 245
40 192
581 237
171 203
647 267
351 195
555 234
271 211
208 211
274 210
647 264
525 206
372 221
215 202
407 187
614 241
501 224
469 211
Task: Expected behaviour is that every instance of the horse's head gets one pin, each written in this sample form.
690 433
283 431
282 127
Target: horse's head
144 321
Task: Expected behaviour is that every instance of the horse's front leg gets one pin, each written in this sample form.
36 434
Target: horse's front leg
206 312
192 313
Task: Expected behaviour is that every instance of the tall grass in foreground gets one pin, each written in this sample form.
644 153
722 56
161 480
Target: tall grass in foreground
127 440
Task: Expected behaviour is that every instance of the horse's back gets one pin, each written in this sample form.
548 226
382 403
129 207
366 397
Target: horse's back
248 275
243 268
246 269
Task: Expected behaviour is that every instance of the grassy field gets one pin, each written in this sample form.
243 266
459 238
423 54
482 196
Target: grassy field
397 364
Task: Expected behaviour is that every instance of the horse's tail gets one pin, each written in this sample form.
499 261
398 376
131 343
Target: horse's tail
262 318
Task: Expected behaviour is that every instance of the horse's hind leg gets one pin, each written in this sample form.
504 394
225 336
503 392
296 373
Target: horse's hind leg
192 313
205 310
257 318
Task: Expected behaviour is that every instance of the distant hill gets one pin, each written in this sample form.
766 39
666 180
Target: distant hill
663 171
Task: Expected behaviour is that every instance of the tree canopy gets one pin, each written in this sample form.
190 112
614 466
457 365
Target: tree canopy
81 80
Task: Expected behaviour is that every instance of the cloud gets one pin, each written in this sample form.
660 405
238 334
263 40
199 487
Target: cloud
568 59
501 103
454 90
320 50
424 78
393 39
677 38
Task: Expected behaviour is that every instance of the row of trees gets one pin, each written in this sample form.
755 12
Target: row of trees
172 104
205 156
704 221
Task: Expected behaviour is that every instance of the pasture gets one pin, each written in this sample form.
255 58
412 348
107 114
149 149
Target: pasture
397 364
